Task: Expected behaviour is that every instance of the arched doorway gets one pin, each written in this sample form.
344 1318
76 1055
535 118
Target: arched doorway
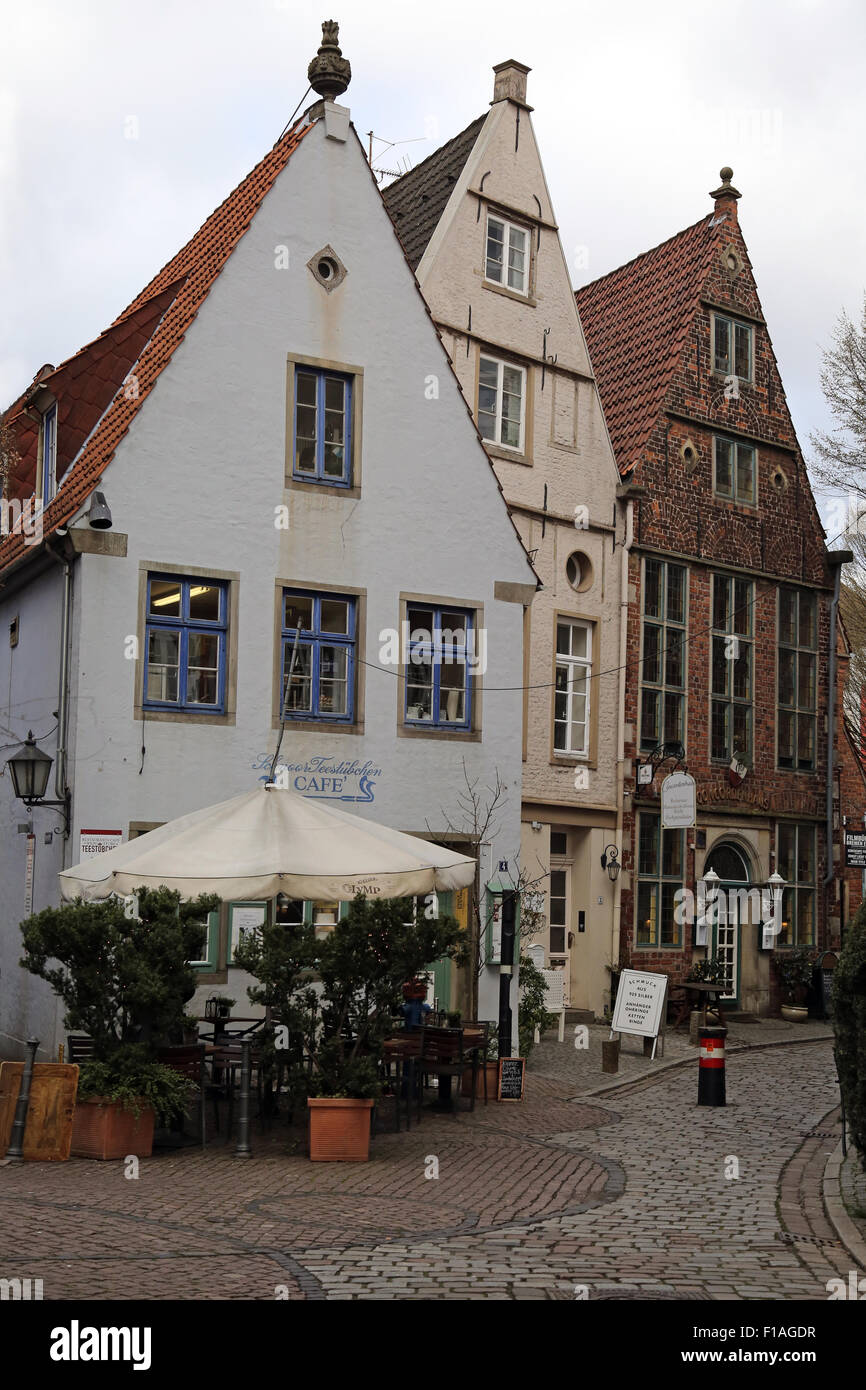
730 864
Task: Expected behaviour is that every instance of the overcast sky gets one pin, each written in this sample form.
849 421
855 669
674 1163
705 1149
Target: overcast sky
123 126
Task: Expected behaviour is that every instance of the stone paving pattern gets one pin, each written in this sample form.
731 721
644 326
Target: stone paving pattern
624 1194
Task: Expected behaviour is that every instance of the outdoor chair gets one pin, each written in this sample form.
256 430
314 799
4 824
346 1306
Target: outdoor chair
188 1061
476 1039
442 1056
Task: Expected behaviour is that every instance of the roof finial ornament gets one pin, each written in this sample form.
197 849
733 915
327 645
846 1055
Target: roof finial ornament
727 189
329 72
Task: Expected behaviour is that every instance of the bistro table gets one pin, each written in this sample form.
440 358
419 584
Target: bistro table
701 995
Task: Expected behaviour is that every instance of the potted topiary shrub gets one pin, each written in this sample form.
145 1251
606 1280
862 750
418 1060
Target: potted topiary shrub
124 981
794 969
338 996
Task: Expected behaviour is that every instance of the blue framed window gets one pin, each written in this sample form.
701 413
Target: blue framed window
438 677
323 680
49 454
322 427
185 668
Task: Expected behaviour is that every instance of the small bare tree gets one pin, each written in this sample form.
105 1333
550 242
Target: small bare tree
477 821
841 453
9 454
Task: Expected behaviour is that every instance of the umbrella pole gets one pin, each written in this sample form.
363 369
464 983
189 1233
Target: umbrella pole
285 701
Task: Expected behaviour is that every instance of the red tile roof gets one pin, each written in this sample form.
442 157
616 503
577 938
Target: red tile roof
152 327
635 320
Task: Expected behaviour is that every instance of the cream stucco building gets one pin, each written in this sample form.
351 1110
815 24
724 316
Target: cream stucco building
478 226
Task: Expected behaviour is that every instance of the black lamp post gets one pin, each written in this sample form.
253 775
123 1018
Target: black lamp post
29 768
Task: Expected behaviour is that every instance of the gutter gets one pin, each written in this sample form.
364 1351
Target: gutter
835 559
626 493
61 789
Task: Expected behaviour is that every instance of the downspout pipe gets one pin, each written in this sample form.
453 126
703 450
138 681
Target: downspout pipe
61 789
627 494
835 559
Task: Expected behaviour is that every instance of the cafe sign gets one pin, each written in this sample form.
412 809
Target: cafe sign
679 803
323 778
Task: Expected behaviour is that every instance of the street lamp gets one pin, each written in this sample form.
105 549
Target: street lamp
610 861
29 768
710 882
770 930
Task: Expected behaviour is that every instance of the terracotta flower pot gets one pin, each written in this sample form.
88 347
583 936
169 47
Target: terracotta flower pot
339 1129
103 1129
492 1069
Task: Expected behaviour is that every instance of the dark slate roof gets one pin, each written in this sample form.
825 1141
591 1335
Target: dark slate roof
417 200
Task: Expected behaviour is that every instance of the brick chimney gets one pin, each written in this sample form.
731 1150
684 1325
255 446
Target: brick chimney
726 196
509 83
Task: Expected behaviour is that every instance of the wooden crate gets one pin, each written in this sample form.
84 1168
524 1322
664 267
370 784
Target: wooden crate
48 1129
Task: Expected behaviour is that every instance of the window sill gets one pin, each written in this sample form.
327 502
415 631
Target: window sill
509 293
735 502
573 760
451 735
499 451
317 489
314 726
168 716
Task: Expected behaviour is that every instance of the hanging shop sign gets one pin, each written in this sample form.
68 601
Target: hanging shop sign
679 801
855 849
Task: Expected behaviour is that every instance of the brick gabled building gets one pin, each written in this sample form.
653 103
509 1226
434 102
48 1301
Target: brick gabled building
731 607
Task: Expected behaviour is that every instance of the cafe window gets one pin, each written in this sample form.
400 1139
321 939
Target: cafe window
186 645
797 678
796 862
438 677
663 652
660 870
732 668
322 427
323 679
209 959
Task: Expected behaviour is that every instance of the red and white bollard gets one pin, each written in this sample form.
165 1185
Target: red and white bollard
711 1067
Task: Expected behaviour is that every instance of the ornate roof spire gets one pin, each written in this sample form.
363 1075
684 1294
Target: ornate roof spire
329 72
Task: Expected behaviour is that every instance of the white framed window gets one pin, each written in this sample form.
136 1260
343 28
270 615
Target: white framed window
733 348
506 260
571 694
501 402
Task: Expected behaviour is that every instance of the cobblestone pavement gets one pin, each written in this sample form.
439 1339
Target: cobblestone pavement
629 1196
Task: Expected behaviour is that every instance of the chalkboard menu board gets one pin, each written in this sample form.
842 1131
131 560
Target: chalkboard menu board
511 1071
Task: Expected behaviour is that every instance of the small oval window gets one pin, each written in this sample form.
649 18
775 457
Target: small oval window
578 571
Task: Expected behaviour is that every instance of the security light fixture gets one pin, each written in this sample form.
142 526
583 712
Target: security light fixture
99 515
610 861
29 768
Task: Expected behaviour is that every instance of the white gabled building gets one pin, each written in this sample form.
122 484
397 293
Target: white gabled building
280 439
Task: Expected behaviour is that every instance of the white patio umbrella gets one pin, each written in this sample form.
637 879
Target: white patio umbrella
271 841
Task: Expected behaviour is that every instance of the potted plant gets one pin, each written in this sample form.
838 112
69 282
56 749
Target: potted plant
124 982
710 971
490 1066
360 970
794 969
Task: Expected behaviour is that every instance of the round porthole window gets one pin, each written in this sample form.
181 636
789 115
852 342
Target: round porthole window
578 571
326 268
689 455
731 260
